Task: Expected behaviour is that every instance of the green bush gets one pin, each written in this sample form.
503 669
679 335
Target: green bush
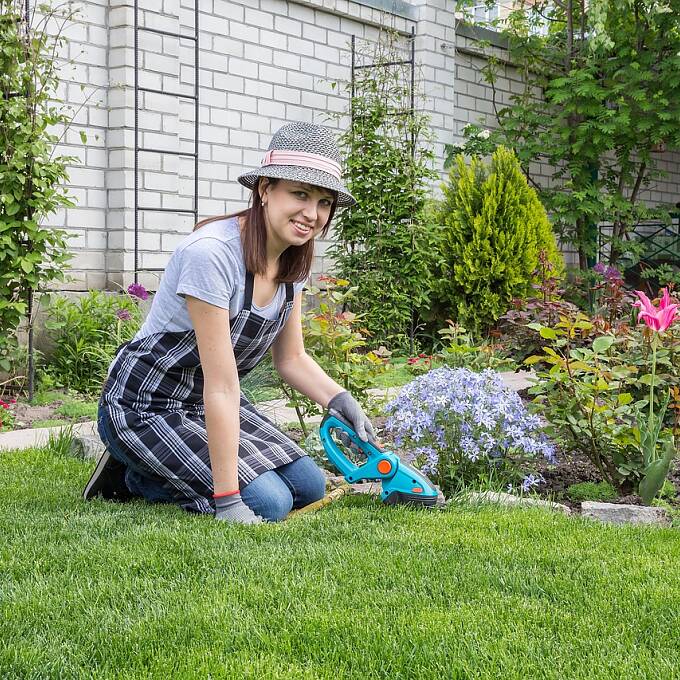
591 491
33 177
87 332
78 409
494 229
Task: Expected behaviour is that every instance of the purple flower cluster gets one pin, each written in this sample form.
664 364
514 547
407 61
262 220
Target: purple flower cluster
609 273
136 290
464 415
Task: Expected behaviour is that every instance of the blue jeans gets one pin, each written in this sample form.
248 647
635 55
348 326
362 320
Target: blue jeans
275 493
272 495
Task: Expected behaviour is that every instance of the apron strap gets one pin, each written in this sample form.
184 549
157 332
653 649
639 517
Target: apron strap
250 283
248 297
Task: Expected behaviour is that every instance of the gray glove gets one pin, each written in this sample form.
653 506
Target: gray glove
233 509
347 407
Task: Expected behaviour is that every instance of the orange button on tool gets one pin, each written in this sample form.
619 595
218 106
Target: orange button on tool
417 489
384 466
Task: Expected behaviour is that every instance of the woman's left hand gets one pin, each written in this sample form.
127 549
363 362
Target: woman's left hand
347 407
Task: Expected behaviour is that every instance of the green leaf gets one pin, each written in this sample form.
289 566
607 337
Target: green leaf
603 343
656 473
624 398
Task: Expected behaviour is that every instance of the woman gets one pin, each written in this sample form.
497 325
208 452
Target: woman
176 426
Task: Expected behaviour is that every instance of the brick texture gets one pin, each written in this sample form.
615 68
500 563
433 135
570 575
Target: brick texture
262 63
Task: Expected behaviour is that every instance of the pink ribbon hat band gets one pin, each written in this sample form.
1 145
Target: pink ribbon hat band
302 159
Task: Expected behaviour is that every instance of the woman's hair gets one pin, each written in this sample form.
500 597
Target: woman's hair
295 262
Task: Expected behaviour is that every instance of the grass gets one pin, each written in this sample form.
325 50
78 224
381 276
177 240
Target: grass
356 590
78 409
397 375
49 422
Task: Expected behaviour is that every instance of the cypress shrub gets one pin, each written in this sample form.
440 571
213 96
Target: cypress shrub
493 229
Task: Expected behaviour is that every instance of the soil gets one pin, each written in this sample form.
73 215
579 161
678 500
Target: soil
27 414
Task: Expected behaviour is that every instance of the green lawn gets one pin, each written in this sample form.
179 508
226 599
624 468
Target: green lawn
356 590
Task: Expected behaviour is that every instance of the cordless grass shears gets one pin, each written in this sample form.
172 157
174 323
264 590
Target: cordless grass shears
401 483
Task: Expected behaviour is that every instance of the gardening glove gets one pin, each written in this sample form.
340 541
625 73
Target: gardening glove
233 509
346 406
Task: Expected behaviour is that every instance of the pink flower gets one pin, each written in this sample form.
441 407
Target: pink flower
658 319
124 314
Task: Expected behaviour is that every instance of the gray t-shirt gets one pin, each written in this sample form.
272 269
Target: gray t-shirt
208 265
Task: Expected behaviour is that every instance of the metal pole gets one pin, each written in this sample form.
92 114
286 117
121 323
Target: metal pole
351 115
31 348
413 156
136 181
413 90
353 86
196 113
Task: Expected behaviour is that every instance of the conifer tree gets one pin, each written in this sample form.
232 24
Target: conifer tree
493 229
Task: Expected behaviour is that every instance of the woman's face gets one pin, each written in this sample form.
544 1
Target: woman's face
295 212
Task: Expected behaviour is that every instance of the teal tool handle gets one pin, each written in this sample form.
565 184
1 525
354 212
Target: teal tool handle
401 483
375 456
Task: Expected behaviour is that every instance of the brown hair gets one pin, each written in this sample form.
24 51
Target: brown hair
295 262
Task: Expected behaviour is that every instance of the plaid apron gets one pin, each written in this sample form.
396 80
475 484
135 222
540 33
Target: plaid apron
152 403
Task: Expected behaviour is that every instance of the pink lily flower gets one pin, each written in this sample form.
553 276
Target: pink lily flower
657 318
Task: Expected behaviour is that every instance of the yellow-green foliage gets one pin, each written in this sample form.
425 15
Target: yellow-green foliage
494 229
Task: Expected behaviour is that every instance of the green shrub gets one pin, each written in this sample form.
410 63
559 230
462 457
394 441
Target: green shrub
462 352
87 332
33 177
78 409
592 491
494 229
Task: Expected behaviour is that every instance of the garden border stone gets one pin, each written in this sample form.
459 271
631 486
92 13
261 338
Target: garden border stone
620 513
39 436
509 499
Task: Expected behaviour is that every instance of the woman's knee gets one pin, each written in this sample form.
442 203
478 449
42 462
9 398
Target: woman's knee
268 497
305 479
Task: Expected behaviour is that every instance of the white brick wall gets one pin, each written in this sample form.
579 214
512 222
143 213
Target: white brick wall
262 63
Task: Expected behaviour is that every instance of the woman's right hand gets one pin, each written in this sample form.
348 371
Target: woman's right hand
232 509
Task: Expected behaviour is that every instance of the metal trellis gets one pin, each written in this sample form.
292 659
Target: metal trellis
411 61
180 95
